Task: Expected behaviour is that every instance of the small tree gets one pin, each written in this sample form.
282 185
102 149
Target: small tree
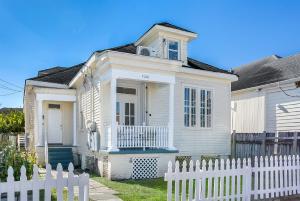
12 122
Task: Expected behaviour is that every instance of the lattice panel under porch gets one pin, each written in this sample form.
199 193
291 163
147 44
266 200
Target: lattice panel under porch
144 168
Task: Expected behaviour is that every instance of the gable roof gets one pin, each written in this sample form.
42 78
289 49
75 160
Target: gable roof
265 71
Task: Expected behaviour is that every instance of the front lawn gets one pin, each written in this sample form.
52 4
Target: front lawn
137 190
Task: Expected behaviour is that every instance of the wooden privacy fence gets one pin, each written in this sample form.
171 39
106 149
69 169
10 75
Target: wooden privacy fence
246 145
30 189
234 180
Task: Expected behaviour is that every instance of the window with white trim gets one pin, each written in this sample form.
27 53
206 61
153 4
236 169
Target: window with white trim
173 50
190 100
205 108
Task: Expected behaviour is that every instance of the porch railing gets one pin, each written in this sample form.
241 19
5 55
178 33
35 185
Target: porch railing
142 136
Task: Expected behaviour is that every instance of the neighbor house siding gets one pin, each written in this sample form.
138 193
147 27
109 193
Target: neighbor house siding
203 141
248 112
283 112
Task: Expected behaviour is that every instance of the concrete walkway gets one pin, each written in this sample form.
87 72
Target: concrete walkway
102 193
98 192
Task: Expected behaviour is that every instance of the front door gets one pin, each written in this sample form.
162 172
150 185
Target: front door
126 109
54 124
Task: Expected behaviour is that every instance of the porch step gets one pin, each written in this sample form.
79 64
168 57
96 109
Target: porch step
60 155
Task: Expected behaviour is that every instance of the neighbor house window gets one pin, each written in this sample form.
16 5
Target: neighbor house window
189 107
205 108
173 50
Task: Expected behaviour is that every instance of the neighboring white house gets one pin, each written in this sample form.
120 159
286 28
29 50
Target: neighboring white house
128 110
267 96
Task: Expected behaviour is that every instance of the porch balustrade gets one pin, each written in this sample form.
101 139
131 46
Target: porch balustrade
142 136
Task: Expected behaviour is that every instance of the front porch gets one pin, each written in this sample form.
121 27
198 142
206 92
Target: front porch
55 125
142 117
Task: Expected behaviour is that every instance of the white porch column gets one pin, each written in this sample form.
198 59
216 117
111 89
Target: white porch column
74 125
171 118
113 98
39 112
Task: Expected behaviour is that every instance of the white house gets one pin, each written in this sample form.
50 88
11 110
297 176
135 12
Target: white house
267 96
128 110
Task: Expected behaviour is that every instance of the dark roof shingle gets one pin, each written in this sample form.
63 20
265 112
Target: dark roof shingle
63 76
265 71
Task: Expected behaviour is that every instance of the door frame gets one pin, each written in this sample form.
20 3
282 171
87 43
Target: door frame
61 123
136 86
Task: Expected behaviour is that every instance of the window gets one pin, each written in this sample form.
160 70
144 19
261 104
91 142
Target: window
190 107
205 108
129 114
124 90
173 50
118 112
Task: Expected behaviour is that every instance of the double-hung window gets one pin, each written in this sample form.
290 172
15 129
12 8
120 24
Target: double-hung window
205 108
173 50
197 98
190 100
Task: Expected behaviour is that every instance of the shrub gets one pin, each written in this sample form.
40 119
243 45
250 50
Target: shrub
11 156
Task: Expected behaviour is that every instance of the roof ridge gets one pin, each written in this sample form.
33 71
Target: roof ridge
257 61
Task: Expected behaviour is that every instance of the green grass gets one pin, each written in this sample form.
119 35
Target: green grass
54 196
150 189
136 190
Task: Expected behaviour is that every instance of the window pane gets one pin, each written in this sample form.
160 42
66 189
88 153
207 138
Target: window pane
173 45
208 109
126 120
126 108
118 112
202 108
131 120
131 108
186 107
123 90
193 107
173 55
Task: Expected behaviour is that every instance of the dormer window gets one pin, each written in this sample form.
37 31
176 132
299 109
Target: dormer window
173 50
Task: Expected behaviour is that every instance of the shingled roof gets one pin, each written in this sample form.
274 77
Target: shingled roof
265 71
63 76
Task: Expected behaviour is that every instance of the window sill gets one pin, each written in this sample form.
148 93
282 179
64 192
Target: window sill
196 128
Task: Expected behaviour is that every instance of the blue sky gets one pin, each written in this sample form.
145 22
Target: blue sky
41 34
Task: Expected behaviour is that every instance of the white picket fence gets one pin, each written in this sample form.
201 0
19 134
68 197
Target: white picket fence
269 177
10 187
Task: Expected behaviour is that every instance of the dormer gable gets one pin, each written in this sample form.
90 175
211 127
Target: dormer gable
166 41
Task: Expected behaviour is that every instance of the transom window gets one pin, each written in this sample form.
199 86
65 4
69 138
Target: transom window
173 50
204 103
125 90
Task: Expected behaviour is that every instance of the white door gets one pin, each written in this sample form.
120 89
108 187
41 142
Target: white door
126 109
54 124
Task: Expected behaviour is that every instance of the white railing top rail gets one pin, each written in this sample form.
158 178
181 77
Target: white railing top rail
10 187
142 136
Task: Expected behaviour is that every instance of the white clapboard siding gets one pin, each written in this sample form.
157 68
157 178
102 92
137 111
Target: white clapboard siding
10 187
269 177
